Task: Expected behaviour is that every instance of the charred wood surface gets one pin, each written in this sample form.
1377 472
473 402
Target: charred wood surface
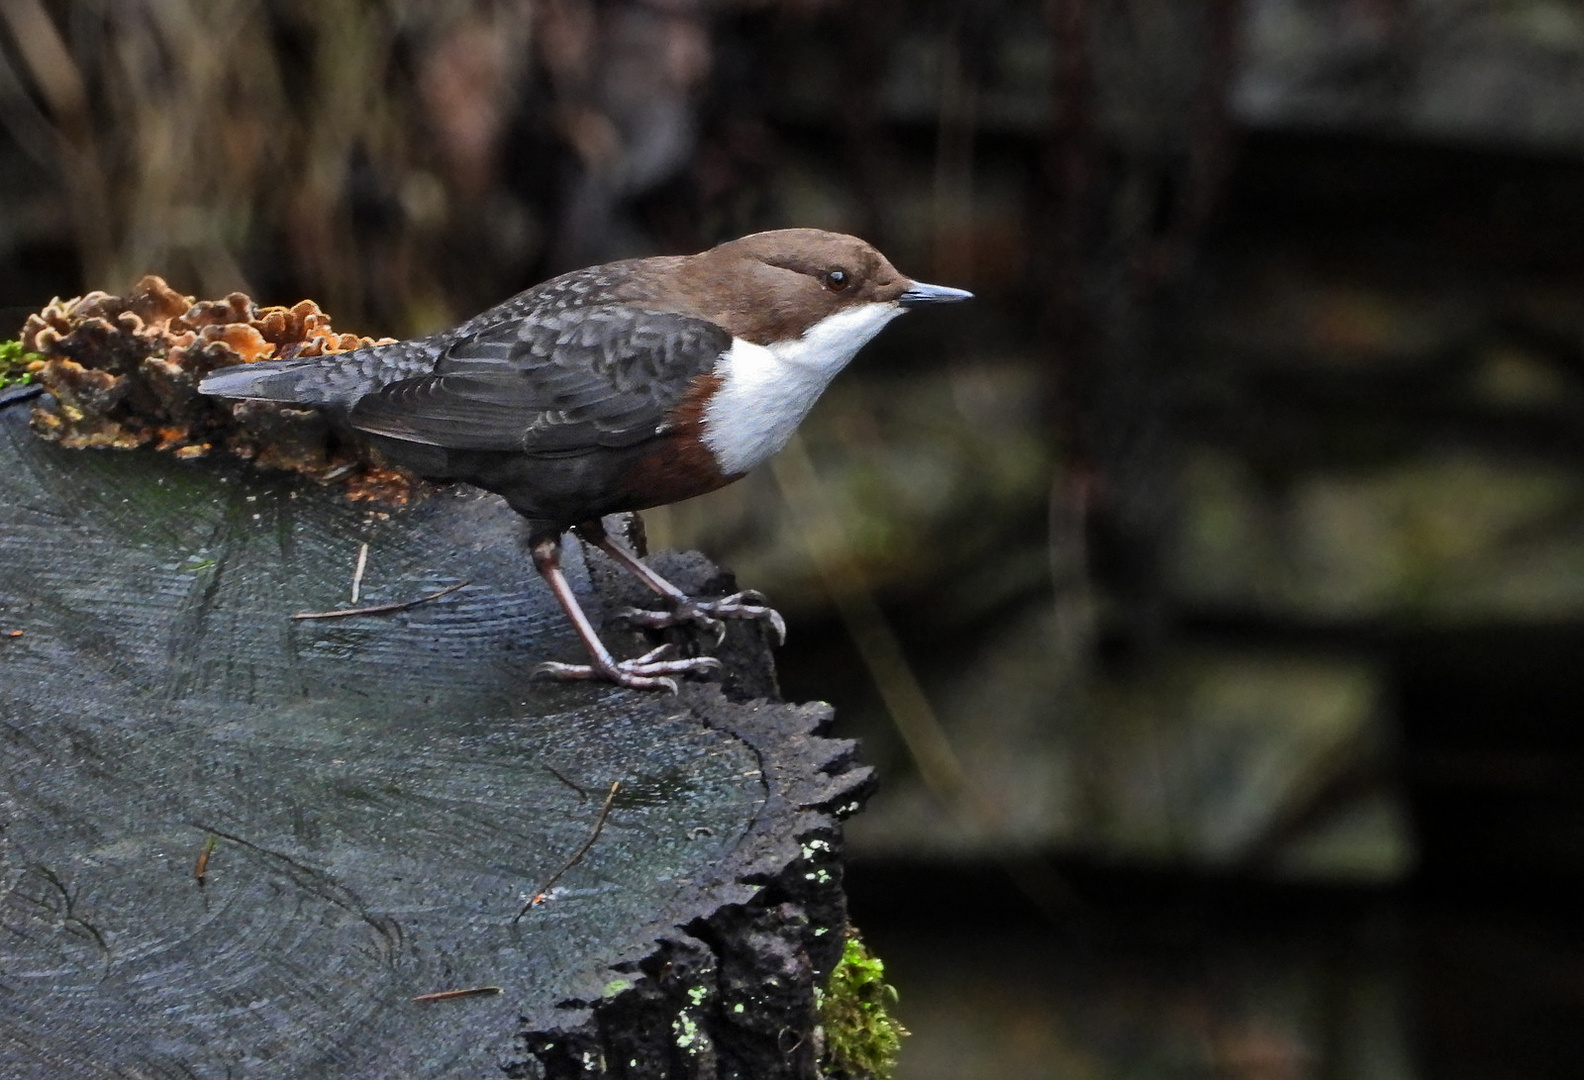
235 843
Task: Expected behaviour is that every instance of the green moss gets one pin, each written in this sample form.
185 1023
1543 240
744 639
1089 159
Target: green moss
861 1036
14 361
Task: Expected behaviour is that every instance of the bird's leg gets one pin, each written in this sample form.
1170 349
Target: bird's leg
647 672
684 608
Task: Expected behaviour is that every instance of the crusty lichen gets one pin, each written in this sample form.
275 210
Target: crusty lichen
862 1038
123 371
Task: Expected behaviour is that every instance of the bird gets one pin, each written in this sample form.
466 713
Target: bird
615 389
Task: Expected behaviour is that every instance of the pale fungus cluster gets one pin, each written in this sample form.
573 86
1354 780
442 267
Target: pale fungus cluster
123 371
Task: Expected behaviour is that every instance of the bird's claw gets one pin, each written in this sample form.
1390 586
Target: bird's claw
757 609
646 672
708 614
654 620
748 604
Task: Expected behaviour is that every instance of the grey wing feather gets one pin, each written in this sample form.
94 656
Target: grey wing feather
570 381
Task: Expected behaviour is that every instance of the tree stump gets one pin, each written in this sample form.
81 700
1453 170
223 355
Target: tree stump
234 843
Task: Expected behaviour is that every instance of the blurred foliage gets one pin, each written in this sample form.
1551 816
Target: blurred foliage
210 140
397 161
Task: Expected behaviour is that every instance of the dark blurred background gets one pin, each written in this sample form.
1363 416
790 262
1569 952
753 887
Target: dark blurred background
1209 592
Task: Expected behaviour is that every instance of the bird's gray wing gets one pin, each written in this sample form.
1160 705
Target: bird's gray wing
574 381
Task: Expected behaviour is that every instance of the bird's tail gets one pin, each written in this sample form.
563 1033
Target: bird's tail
269 380
332 381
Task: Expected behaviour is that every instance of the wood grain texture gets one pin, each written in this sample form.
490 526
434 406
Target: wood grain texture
378 795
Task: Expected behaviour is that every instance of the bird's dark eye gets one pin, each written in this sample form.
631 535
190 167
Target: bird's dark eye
836 280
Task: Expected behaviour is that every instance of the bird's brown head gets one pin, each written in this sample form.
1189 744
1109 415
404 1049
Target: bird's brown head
773 286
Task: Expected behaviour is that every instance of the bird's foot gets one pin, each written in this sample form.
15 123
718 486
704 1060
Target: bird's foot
646 672
708 614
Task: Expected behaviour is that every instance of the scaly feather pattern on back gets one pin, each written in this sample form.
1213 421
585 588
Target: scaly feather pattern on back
573 380
574 363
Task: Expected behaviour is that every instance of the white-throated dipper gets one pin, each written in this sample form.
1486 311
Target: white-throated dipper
615 388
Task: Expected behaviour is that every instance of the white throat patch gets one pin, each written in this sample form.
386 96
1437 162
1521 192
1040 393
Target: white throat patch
766 391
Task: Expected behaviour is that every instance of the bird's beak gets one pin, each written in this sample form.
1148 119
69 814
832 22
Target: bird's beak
918 294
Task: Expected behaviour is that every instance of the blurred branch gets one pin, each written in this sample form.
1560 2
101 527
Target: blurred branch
939 767
871 632
22 117
47 59
1139 139
60 84
952 209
